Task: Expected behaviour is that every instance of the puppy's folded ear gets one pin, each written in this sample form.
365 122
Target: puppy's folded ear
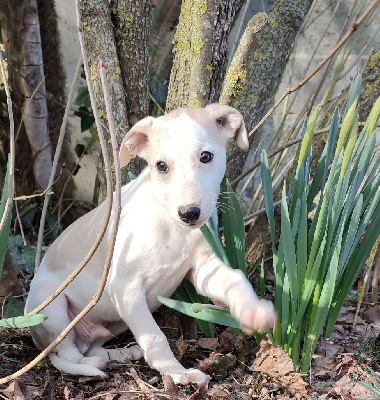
135 141
230 123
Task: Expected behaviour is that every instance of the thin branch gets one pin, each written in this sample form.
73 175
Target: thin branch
353 28
278 150
20 223
54 166
248 218
8 203
157 104
36 90
46 191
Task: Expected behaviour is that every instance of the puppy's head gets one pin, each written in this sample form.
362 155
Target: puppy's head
186 153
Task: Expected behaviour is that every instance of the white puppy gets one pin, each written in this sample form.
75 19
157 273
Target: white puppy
158 244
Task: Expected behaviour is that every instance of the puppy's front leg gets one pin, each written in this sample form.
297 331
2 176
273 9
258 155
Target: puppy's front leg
156 347
212 278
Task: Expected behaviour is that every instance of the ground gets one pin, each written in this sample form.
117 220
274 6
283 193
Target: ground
239 369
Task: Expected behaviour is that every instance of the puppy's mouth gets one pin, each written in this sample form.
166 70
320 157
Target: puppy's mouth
194 224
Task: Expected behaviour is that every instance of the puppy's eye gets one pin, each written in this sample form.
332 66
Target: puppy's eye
162 167
206 157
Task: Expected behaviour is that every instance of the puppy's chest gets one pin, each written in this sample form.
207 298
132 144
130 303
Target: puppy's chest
168 264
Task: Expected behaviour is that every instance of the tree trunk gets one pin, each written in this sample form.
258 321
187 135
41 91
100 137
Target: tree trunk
266 63
127 38
200 52
20 28
35 108
259 231
132 26
100 44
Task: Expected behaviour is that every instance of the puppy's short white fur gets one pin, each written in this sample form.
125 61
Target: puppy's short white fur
158 244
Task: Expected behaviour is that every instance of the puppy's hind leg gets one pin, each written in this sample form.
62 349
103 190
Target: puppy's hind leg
66 356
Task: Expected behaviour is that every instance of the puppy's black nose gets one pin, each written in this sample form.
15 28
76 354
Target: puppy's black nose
189 214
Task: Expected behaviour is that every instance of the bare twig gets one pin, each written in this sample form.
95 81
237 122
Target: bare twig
278 150
20 223
156 103
248 218
353 28
8 203
36 90
46 191
54 166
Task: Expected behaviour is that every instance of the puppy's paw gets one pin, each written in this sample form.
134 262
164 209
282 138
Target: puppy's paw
125 354
191 376
94 361
135 352
259 316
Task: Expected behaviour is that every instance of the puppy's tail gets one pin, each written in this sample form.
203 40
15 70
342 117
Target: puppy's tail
88 366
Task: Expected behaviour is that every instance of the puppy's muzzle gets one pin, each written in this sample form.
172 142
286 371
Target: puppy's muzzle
189 214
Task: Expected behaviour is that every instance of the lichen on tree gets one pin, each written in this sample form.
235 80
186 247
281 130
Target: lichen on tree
200 52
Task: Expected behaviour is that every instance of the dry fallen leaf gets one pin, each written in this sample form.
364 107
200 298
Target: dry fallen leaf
13 391
181 347
275 362
272 359
208 343
343 386
217 365
170 387
323 366
372 314
328 348
359 390
228 341
200 394
217 393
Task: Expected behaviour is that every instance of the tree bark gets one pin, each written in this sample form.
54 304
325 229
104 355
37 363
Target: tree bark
200 52
129 41
259 231
236 77
26 76
35 108
132 26
100 44
12 16
266 63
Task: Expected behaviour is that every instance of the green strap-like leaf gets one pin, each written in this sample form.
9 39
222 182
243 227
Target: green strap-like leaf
353 268
289 250
204 312
266 179
5 233
233 224
23 321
